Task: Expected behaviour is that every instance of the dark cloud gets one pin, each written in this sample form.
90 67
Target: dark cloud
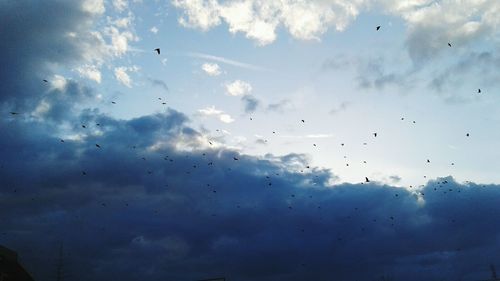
34 37
173 216
251 103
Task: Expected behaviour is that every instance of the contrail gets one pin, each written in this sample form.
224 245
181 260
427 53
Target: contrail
226 61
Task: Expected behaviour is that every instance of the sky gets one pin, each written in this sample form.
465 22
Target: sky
266 140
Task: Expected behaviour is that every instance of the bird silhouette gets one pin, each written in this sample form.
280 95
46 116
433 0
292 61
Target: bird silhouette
467 134
45 80
478 91
378 27
98 146
14 113
366 179
303 121
375 134
157 50
449 44
235 159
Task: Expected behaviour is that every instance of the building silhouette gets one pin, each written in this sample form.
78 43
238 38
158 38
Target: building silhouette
10 269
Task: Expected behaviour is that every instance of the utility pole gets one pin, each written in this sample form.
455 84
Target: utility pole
60 264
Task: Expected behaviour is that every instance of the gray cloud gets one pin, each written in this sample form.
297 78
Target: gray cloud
159 83
250 102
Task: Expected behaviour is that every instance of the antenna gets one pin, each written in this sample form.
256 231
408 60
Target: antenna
60 264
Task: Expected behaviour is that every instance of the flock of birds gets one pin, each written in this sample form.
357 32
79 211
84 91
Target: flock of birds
158 52
438 186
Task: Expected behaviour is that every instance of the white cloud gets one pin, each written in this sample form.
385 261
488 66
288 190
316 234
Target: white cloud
238 88
122 76
199 13
226 118
120 5
211 69
58 82
93 6
154 29
119 40
259 19
91 72
212 111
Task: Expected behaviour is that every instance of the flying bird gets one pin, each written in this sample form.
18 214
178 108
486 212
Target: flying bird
375 134
478 91
366 179
428 161
113 102
449 44
467 134
235 159
98 146
303 121
83 126
45 80
378 27
14 113
157 50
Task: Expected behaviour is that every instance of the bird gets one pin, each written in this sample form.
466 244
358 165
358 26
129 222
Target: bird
478 91
467 134
378 27
98 146
235 159
157 50
375 134
366 179
45 80
303 121
83 126
428 161
449 44
84 173
62 140
14 113
113 102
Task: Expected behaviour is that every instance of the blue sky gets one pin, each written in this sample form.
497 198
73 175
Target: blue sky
124 154
346 83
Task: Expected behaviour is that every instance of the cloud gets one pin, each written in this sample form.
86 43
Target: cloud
212 69
211 111
93 6
91 72
159 83
182 212
120 5
238 88
122 76
154 29
258 20
280 106
251 103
